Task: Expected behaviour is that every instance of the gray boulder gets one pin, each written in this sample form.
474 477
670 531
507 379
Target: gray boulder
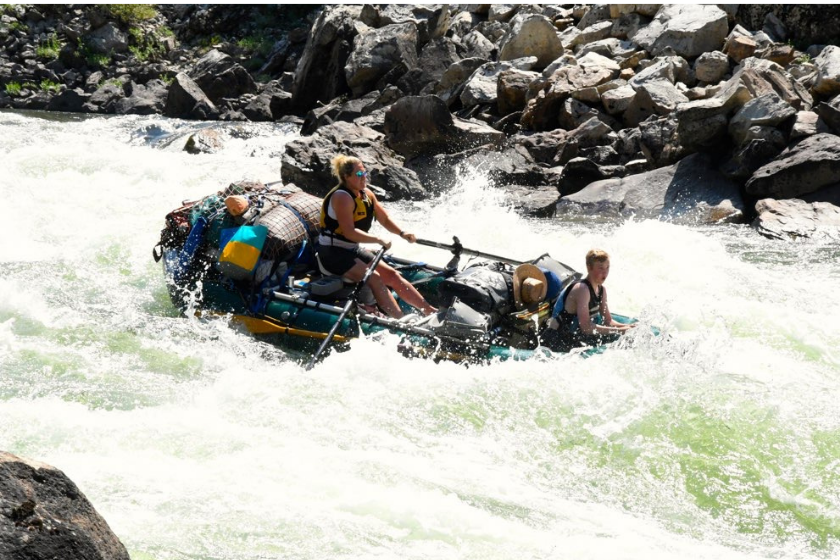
306 161
766 110
108 38
531 35
804 168
691 191
794 218
185 100
218 75
424 125
319 76
827 82
481 88
711 67
688 29
512 89
43 514
377 52
452 81
149 99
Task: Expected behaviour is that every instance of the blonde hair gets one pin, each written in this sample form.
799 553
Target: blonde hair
596 255
342 166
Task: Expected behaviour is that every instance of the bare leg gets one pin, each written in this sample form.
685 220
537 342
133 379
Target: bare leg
404 289
383 295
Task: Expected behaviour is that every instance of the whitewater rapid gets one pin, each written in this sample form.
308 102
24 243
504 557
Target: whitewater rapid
718 440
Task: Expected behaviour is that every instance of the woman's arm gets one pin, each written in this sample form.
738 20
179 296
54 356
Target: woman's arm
384 218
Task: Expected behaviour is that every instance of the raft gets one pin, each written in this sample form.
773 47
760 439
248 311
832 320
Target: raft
288 301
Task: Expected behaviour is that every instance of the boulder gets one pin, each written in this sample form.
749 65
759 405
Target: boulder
671 68
829 115
306 161
481 88
185 100
205 141
827 82
649 10
654 97
580 172
535 202
740 47
688 29
512 88
107 39
766 110
531 35
711 67
616 101
794 218
417 125
476 45
761 145
452 82
806 123
218 75
691 191
595 32
319 76
801 169
69 100
149 99
43 514
376 52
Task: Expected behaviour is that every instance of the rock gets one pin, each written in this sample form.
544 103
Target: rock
478 46
827 81
259 108
649 10
186 100
541 111
780 54
766 110
378 51
688 29
794 218
481 87
205 141
654 97
104 99
306 161
501 12
149 99
739 48
691 191
594 14
218 76
108 38
595 32
511 89
43 514
69 100
580 172
806 124
536 202
573 113
452 82
761 146
829 115
671 68
531 35
801 169
320 75
711 67
617 101
424 125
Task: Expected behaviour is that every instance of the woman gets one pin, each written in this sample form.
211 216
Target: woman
346 216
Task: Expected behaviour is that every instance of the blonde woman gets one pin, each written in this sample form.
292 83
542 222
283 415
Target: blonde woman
347 214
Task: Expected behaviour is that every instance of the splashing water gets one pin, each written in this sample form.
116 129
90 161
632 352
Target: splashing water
719 439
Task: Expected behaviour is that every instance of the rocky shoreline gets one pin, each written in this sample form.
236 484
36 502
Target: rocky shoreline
689 113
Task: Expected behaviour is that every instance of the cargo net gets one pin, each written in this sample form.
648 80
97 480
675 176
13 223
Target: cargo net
291 217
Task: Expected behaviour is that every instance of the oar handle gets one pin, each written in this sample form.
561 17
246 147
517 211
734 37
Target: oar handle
351 303
457 249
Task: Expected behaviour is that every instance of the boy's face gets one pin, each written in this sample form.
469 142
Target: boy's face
598 271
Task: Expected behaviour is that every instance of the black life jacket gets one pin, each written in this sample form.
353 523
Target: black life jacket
362 215
594 301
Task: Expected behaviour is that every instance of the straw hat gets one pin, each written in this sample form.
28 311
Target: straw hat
529 285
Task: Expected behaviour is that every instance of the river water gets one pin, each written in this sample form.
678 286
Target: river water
718 440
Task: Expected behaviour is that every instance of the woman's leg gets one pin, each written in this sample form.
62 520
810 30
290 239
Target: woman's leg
381 293
404 289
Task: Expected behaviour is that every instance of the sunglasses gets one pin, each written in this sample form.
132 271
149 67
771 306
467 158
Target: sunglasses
361 173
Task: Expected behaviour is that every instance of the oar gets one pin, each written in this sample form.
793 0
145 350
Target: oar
351 303
457 249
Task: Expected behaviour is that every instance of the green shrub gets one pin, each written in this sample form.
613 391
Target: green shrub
131 13
145 47
92 58
49 85
13 88
50 48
